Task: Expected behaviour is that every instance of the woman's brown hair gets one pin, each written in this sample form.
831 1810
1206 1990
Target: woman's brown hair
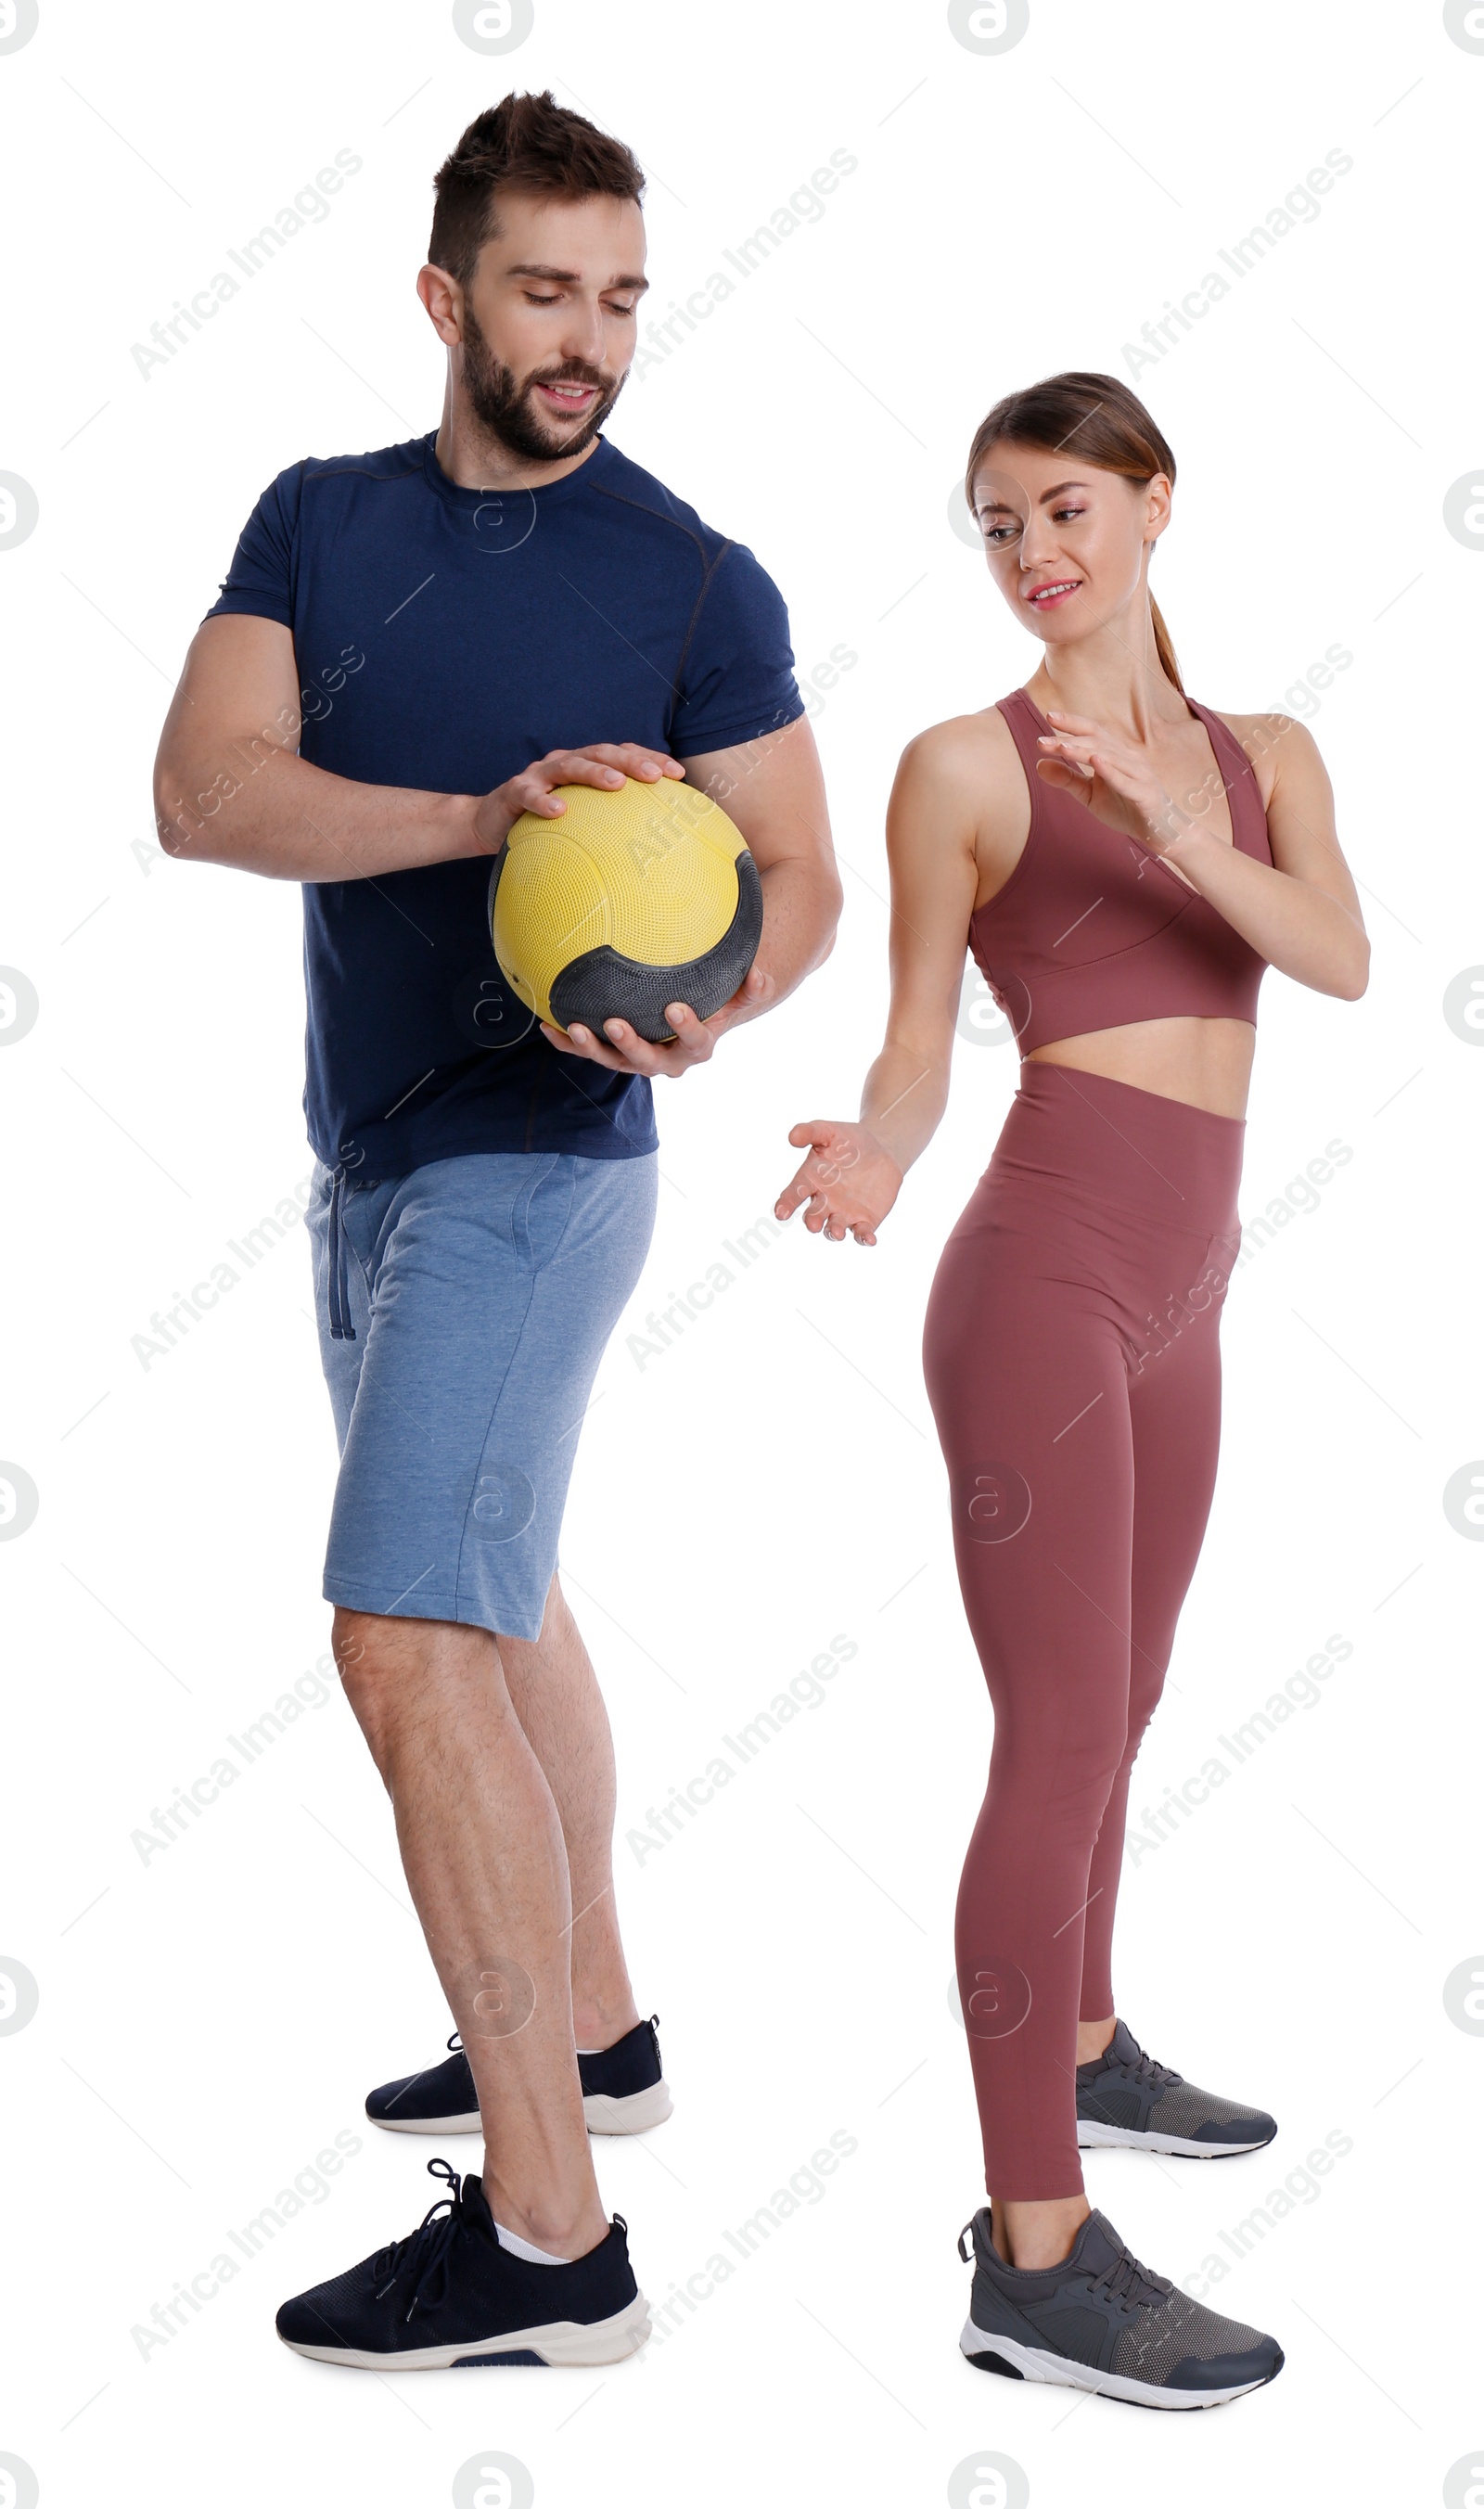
1113 431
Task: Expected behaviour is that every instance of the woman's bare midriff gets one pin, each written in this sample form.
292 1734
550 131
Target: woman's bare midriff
1203 1062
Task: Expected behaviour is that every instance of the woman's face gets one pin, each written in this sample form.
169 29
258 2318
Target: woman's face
1068 543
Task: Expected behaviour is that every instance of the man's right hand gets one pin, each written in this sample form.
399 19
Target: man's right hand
604 763
230 788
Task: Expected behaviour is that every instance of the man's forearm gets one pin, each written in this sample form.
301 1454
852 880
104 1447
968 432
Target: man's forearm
259 807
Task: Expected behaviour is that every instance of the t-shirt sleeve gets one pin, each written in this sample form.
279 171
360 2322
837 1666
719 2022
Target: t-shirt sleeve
737 671
260 579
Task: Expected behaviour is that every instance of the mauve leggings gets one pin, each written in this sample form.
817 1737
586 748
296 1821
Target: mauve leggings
1073 1366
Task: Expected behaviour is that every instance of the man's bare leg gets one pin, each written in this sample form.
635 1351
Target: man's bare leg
482 1847
554 1692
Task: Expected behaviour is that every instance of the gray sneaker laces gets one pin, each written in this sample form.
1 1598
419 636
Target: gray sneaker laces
1148 2069
1128 2280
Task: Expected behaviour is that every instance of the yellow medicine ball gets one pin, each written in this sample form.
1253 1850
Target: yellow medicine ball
636 897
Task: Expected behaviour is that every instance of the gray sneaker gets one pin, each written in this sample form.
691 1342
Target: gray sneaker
1123 2097
1103 2322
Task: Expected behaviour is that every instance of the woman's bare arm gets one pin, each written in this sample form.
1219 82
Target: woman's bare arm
951 789
1301 913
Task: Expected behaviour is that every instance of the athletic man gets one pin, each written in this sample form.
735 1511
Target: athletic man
413 647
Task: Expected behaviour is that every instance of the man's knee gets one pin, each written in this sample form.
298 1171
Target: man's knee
394 1669
364 1650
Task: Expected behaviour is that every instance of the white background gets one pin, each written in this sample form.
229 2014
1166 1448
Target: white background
209 2021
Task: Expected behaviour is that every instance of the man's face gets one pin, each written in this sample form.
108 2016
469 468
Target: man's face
549 320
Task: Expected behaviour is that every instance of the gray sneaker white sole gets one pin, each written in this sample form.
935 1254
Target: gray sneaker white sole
562 2345
1054 2370
1092 2138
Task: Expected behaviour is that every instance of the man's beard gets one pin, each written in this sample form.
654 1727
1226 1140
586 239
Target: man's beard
502 402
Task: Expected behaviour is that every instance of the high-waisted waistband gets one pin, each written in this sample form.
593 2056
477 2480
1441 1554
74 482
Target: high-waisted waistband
1106 1142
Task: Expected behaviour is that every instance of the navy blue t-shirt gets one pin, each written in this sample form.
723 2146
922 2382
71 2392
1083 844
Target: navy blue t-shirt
445 638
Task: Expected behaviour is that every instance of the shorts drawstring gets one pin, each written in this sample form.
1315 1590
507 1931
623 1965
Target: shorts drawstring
338 1285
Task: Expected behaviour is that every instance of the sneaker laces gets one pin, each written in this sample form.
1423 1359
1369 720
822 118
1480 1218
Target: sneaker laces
1149 2070
426 2248
1127 2280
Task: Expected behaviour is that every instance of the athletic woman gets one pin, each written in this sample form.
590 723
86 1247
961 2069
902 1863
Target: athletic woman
1123 864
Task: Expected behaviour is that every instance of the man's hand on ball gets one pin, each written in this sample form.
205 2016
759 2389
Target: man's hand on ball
847 1182
603 763
621 1048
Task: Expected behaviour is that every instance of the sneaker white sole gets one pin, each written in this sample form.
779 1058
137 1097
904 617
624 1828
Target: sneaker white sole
604 2115
633 2115
1093 2138
562 2345
430 2126
1052 2370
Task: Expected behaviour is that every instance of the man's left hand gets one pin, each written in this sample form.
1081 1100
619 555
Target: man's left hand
621 1048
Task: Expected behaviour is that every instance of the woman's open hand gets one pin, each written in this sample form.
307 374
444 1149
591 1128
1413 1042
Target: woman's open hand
1115 782
847 1182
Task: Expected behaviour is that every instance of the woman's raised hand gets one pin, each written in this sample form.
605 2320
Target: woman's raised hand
1116 782
849 1181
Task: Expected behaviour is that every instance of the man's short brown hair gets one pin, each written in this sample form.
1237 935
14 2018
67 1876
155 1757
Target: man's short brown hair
526 143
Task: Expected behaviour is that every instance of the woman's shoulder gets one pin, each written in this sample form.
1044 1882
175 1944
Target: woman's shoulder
1268 742
963 746
963 778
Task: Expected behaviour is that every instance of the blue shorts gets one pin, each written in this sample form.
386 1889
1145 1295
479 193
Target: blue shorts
462 1312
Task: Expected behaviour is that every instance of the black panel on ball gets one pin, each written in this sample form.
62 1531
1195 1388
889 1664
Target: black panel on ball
603 985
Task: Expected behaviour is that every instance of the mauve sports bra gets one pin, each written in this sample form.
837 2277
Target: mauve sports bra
1092 931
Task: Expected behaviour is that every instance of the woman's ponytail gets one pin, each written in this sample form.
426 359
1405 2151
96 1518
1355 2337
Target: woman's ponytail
1164 647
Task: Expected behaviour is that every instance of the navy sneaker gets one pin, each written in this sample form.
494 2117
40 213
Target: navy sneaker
449 2296
1123 2097
1103 2322
624 2090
